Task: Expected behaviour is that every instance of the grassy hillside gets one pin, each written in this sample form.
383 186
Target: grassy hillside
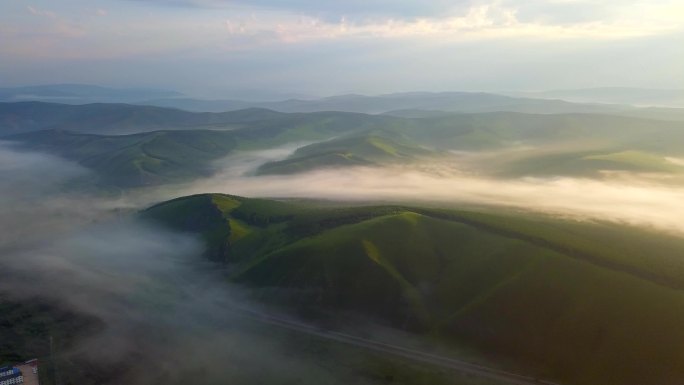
496 130
581 303
563 144
635 160
140 159
118 119
341 152
114 118
586 163
568 144
168 156
450 131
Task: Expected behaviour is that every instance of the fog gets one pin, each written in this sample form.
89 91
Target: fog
625 198
28 190
168 316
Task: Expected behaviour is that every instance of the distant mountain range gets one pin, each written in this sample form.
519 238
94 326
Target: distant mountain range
615 101
81 94
130 145
421 103
117 118
615 95
443 101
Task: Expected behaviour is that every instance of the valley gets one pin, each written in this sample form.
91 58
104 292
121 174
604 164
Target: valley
448 274
415 192
452 248
510 145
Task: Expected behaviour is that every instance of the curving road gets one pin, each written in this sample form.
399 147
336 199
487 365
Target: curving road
412 354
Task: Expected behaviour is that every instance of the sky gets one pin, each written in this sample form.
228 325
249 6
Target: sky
323 47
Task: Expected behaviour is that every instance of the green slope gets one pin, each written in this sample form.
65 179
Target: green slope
160 157
118 119
587 163
581 303
351 151
496 130
451 131
115 118
564 144
635 160
140 159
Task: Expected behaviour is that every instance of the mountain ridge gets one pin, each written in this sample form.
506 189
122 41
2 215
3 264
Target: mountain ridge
464 276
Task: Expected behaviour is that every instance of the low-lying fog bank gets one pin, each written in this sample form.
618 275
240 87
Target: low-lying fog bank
169 316
629 199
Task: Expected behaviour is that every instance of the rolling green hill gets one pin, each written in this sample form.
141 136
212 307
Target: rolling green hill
452 131
139 159
561 144
112 118
472 132
586 163
351 151
560 138
580 303
568 144
118 119
160 157
635 160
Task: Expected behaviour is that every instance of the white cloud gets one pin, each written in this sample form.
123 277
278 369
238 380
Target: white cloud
484 21
635 201
40 12
247 43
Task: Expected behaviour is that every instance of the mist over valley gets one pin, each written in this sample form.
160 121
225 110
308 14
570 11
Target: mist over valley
314 192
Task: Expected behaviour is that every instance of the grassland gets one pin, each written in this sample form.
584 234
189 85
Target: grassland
567 144
577 302
586 163
365 150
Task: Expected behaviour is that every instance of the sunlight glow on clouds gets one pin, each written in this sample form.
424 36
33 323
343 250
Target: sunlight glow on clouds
216 34
131 32
479 22
637 202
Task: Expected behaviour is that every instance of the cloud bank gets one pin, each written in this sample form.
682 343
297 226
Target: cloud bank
169 316
210 47
633 200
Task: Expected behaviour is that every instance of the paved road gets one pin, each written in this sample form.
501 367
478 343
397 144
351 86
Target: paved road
416 355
